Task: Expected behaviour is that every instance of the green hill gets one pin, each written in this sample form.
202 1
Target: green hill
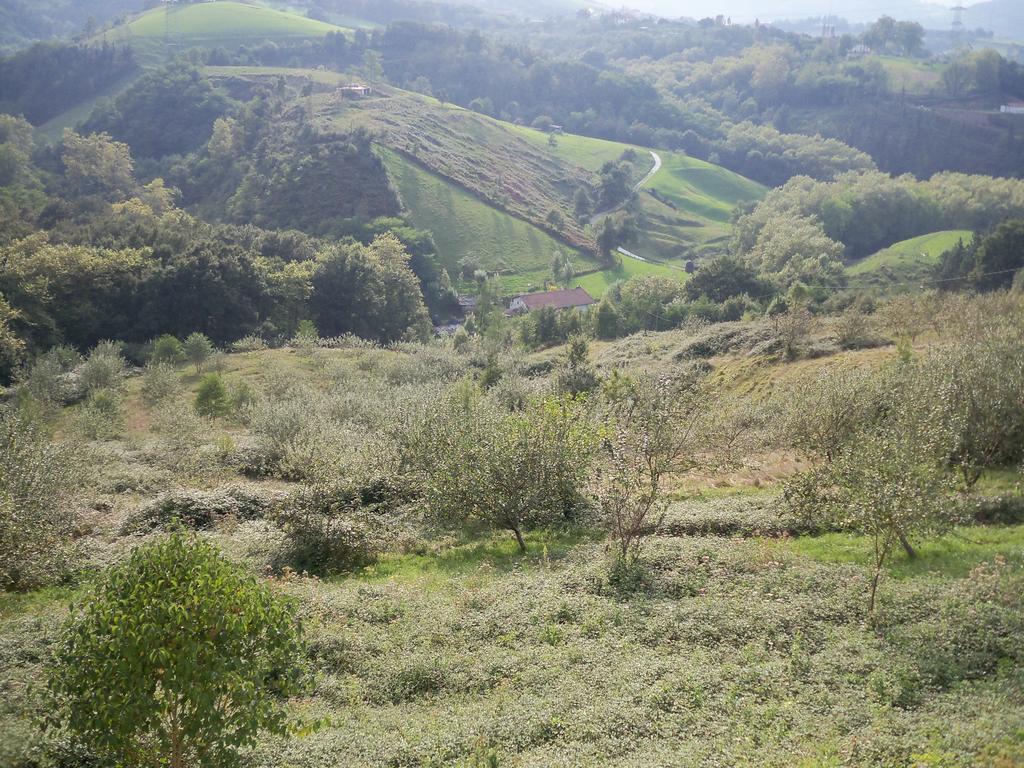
908 261
464 227
486 188
163 31
597 283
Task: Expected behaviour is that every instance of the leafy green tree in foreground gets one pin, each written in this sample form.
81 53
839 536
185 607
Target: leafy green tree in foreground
178 659
886 475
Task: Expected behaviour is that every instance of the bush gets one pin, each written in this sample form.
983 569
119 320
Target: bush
212 397
100 417
104 368
49 379
197 350
167 349
193 658
327 530
36 478
199 510
160 383
511 471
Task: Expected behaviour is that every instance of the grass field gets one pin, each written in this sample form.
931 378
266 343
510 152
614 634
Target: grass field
581 150
509 169
464 226
905 263
916 78
598 282
163 31
701 189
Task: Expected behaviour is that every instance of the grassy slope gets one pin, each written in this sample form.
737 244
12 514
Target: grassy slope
225 20
50 131
738 650
905 262
464 226
916 78
599 282
161 32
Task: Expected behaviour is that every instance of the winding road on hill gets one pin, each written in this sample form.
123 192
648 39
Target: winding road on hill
636 188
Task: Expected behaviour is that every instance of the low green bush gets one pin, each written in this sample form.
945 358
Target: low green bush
200 509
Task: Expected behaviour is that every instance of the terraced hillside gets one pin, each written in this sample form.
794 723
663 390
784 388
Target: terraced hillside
465 227
905 264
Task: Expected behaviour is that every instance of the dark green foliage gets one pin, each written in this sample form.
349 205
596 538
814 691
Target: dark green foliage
368 291
999 256
314 185
212 397
46 79
167 349
724 277
166 112
193 657
332 529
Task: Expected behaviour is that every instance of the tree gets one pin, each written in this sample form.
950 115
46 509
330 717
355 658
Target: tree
167 349
999 256
372 66
176 658
555 220
887 486
212 396
197 349
654 426
577 375
97 164
723 277
509 471
36 479
582 205
561 269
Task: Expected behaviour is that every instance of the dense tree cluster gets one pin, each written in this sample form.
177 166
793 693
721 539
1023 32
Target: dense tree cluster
858 214
166 112
40 83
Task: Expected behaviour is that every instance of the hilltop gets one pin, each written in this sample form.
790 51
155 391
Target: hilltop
160 32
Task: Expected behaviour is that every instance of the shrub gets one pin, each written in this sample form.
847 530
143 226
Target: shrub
327 531
36 478
104 368
251 343
160 383
212 397
193 658
510 471
167 349
199 509
49 378
100 417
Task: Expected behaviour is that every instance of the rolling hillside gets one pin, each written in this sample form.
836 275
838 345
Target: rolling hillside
465 227
905 262
163 31
486 188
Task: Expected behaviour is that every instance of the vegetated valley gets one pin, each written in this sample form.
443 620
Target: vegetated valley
508 384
